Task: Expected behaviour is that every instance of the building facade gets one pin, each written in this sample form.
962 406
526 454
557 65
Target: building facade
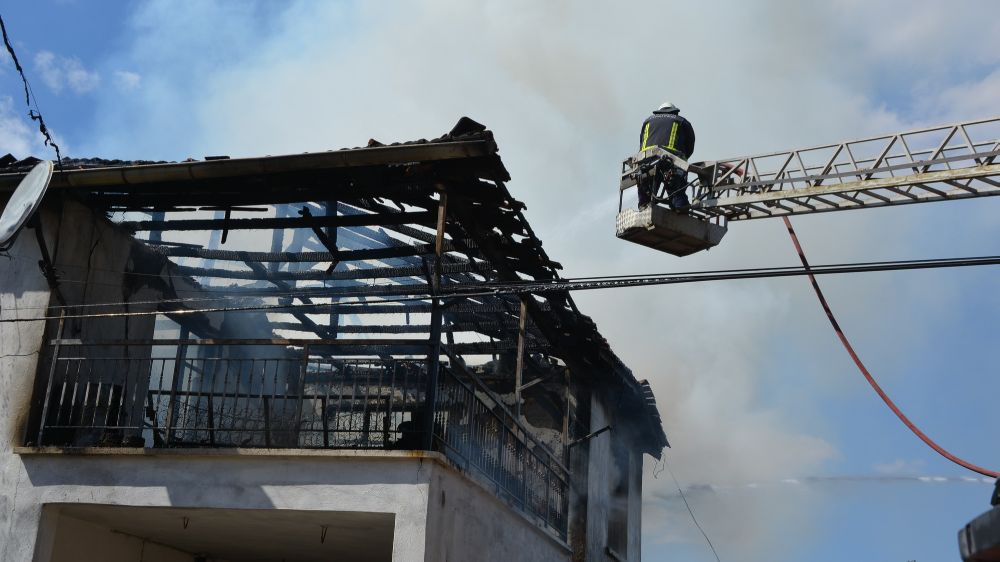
309 357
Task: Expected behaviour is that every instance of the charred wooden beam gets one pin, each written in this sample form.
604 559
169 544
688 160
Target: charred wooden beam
296 342
319 274
329 237
494 329
415 290
371 328
277 239
478 151
424 218
297 257
411 184
247 192
478 312
308 323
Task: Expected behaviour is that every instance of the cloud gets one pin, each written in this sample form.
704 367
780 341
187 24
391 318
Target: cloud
900 467
127 81
59 73
17 136
918 34
974 98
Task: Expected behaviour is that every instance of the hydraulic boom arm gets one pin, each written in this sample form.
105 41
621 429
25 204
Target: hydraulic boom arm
947 162
956 161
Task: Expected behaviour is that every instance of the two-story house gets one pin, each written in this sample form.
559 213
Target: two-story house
311 357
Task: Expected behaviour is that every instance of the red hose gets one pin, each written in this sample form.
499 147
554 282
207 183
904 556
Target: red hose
864 371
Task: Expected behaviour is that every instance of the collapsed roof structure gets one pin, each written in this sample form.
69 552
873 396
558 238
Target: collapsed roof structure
363 227
333 300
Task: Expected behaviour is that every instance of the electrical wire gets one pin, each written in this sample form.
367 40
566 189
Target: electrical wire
522 287
690 512
61 271
186 311
289 294
864 370
29 96
490 290
775 268
315 292
831 480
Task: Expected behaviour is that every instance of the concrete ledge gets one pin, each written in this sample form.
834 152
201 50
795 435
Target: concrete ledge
491 494
224 452
232 453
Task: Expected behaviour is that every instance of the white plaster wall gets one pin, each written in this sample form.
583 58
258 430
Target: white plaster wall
599 488
24 293
467 522
329 482
81 541
635 507
91 255
598 484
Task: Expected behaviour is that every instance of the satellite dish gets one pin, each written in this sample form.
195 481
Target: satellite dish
24 202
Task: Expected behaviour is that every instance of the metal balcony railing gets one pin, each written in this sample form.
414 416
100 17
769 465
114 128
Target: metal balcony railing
195 394
474 429
230 396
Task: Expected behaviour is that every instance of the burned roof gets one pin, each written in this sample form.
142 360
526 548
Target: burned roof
363 223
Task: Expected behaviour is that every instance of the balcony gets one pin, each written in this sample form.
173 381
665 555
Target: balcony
295 394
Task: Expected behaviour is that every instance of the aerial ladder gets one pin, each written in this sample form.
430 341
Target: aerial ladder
957 161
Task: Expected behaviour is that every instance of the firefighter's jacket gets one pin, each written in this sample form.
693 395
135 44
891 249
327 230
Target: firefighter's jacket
669 131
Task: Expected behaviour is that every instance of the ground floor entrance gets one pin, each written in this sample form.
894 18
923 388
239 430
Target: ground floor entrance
110 533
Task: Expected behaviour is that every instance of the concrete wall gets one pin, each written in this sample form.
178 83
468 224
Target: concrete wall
322 480
635 508
440 515
467 522
602 470
82 541
90 256
23 294
598 485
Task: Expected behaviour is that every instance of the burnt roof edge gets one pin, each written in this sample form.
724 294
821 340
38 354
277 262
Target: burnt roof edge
478 146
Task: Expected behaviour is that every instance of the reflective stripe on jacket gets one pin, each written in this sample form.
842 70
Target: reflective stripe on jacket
669 131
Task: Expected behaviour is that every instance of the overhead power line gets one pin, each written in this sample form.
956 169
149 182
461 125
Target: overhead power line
278 308
485 290
612 282
29 96
690 512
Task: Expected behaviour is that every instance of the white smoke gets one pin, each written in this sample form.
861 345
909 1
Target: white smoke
565 85
18 135
60 73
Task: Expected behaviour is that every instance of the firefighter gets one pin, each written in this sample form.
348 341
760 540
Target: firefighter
666 129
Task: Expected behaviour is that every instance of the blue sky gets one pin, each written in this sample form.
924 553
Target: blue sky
753 385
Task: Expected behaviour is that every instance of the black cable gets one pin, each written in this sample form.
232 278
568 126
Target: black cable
774 268
583 283
690 512
530 282
185 311
29 95
486 290
638 281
